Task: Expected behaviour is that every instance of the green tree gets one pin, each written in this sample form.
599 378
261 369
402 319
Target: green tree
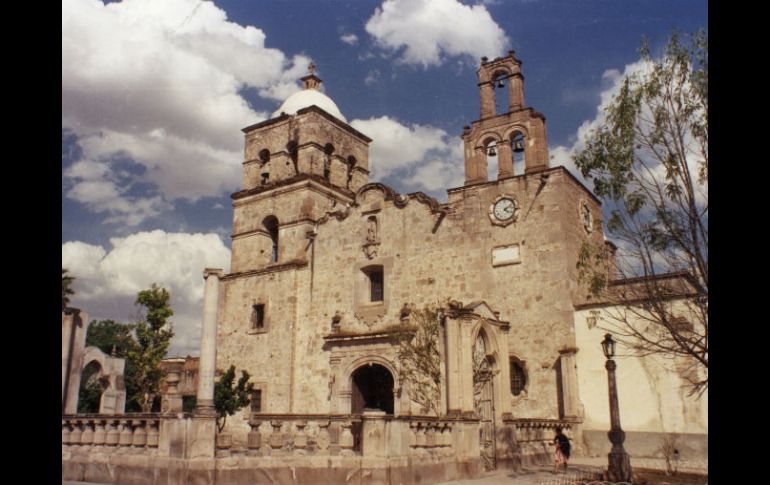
649 164
228 398
153 337
66 288
419 357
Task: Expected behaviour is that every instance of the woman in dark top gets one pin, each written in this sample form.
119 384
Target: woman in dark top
561 455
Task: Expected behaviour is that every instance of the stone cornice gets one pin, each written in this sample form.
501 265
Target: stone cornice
315 181
273 268
534 172
311 109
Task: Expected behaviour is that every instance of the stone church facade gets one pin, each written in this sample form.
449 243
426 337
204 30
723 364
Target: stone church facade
326 263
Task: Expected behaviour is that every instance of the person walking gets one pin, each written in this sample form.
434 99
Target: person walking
562 452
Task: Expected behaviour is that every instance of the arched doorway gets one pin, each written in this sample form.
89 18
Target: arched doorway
92 386
372 388
484 400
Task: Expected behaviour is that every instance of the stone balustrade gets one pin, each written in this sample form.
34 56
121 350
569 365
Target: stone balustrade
135 432
535 437
303 434
430 435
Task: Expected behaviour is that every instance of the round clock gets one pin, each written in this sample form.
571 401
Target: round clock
504 210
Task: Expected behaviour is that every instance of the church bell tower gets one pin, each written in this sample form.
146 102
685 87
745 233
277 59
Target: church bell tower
298 165
512 139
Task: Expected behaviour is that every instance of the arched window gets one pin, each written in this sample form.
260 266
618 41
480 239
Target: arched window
264 160
518 376
501 92
518 145
271 226
490 149
328 152
351 163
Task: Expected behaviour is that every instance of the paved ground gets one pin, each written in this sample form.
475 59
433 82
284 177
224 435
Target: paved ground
579 468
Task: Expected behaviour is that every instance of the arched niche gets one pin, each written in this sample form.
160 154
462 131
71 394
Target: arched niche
110 377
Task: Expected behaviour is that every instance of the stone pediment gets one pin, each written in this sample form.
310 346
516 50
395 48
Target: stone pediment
475 309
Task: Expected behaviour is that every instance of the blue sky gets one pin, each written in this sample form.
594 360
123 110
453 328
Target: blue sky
154 95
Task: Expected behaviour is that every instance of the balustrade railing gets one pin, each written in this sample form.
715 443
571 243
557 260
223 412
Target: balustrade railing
304 434
535 436
134 432
430 435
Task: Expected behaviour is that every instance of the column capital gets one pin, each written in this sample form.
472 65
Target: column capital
218 272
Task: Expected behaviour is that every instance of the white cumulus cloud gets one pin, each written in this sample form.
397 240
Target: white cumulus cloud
423 156
350 39
160 83
428 31
108 279
612 80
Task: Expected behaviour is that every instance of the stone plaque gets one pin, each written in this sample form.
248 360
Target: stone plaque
506 255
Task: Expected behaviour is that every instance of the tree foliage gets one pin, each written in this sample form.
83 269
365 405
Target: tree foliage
229 398
419 357
153 336
66 288
649 163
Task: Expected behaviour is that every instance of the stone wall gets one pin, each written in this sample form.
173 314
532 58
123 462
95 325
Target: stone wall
428 257
652 395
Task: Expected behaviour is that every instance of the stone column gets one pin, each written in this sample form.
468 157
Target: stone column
79 328
515 92
487 94
66 338
504 159
465 352
203 431
208 358
452 352
569 383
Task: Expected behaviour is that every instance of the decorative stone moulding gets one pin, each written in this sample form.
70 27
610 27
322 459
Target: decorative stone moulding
586 216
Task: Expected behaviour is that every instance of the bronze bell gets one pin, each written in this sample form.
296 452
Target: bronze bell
492 152
518 146
500 83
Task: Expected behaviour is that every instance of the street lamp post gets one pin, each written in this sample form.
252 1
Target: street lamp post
619 469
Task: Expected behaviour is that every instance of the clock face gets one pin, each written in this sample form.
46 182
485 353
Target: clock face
504 209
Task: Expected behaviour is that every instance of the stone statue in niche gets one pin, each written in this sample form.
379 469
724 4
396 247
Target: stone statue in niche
372 243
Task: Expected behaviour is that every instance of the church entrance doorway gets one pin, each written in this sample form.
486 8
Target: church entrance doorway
484 401
372 388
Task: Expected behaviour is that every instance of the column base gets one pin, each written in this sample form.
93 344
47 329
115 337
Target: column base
205 410
619 469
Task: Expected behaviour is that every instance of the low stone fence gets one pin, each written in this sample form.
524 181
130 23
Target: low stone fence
535 437
370 434
303 434
139 432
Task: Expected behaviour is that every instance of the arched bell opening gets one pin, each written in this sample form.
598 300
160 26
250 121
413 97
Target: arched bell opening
492 158
371 388
270 224
500 85
518 149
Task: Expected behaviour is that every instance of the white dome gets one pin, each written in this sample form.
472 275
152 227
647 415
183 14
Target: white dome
309 97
